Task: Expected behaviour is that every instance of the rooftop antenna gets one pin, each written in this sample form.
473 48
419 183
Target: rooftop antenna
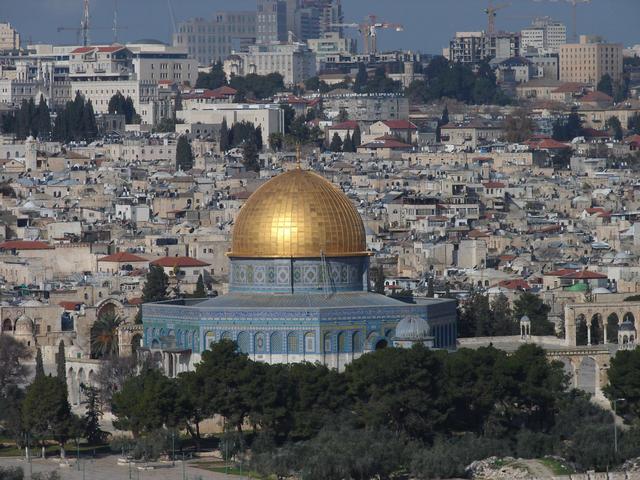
84 23
172 17
115 21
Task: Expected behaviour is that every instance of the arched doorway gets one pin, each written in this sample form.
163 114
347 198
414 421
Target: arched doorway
581 330
597 330
586 377
7 325
612 328
567 367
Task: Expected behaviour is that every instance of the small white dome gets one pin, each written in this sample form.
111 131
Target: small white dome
413 328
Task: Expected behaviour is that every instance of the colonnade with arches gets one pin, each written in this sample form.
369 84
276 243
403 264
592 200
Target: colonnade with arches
591 324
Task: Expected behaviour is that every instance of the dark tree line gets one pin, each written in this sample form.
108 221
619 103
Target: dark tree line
212 80
390 410
29 120
120 105
567 129
478 317
458 81
76 121
255 86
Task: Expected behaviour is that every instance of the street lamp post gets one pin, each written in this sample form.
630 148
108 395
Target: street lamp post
173 448
615 426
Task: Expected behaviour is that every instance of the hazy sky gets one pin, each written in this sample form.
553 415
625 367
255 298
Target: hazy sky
428 23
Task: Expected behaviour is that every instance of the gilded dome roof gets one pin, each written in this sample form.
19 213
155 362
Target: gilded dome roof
298 214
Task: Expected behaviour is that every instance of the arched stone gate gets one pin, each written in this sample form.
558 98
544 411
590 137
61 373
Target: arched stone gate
596 317
587 367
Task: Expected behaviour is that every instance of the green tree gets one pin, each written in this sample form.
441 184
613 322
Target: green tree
61 367
91 422
13 355
156 285
184 154
613 124
200 291
624 381
46 413
216 78
533 307
104 336
633 124
336 143
43 120
146 403
356 138
250 157
605 85
39 363
502 317
120 105
400 389
224 136
276 141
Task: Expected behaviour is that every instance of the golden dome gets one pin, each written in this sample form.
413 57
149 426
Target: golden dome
298 214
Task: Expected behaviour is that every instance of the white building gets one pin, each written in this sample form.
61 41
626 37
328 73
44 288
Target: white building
294 61
269 117
544 35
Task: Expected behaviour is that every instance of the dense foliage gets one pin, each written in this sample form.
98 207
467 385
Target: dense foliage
120 105
427 412
28 120
184 154
76 121
254 86
214 79
457 81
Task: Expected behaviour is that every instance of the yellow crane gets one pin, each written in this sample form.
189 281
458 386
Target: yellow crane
491 12
369 31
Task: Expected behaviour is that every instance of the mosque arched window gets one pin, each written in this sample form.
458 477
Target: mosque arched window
209 338
343 345
260 343
226 336
243 342
292 343
276 342
309 342
327 343
357 342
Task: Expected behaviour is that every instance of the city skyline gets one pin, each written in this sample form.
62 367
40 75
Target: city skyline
143 20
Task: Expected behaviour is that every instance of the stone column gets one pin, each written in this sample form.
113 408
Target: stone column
589 334
605 325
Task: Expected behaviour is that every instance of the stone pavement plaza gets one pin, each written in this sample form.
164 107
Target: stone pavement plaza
107 468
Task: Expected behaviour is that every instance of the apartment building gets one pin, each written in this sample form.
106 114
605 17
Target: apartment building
544 36
589 60
212 40
294 61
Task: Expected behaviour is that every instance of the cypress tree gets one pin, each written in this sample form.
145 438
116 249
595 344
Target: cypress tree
184 155
43 122
39 364
356 138
347 146
61 363
200 291
224 136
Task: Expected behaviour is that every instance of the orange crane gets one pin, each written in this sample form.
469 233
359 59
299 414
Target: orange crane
369 31
491 12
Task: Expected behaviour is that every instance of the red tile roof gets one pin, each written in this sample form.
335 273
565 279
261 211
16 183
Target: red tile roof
24 245
585 275
516 284
104 49
348 125
549 144
400 124
560 273
69 305
386 142
597 96
121 257
179 262
570 87
477 234
493 185
218 93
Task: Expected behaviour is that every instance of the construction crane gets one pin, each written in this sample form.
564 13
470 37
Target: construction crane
491 12
574 14
369 31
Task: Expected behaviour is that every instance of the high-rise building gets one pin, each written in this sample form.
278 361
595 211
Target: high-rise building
545 35
271 21
312 18
9 37
589 60
211 40
474 47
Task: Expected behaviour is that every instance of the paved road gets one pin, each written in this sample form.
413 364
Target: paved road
106 468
